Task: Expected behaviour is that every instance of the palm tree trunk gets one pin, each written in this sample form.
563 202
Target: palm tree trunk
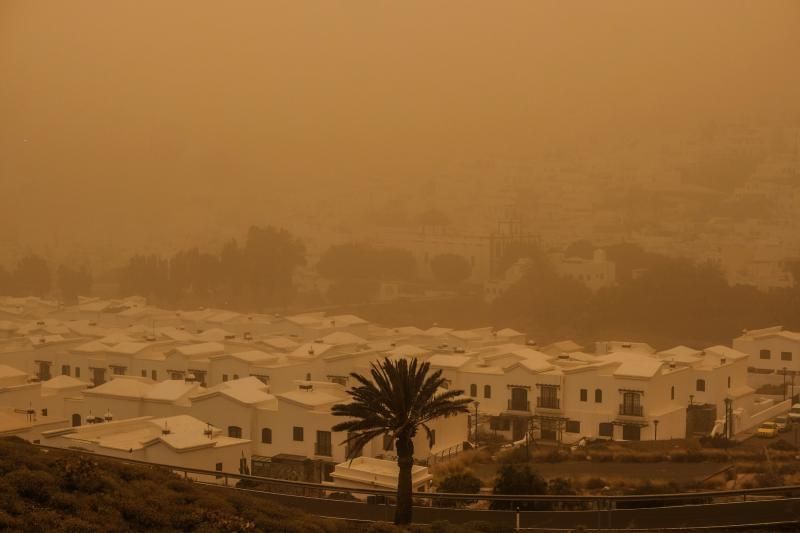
405 460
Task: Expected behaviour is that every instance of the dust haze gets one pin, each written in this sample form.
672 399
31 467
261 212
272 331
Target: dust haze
148 128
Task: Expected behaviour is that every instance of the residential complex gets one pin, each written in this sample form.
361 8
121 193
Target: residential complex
220 390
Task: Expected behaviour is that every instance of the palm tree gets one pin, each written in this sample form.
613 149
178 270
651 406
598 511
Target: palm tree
400 398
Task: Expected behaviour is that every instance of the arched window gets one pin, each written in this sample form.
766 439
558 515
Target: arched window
473 390
487 391
76 420
701 385
266 436
672 393
235 432
598 396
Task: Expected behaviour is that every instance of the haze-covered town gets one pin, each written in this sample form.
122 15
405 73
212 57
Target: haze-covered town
399 267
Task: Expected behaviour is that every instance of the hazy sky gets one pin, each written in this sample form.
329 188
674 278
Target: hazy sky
103 101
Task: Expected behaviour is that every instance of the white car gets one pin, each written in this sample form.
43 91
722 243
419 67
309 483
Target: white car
794 413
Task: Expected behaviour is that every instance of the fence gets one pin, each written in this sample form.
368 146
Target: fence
762 507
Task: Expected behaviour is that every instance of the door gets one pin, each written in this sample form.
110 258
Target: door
549 430
631 432
98 376
518 428
519 399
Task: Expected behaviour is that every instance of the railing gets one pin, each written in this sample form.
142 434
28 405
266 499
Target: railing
764 507
631 410
548 403
323 449
519 405
445 454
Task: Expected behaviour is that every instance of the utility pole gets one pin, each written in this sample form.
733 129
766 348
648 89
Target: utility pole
476 423
655 428
784 383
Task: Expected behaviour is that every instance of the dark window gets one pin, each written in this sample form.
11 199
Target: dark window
44 412
729 382
224 377
65 370
154 375
324 445
266 436
672 393
631 432
236 376
786 356
218 468
76 420
235 432
584 395
765 354
598 396
487 391
573 426
433 438
473 390
388 443
144 373
77 372
297 433
701 385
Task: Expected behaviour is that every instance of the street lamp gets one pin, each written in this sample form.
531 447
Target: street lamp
655 427
784 383
477 403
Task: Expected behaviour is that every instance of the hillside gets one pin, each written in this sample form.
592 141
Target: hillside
58 491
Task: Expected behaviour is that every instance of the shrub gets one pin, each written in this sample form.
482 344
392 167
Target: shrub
595 483
32 484
461 483
768 479
515 480
782 445
561 487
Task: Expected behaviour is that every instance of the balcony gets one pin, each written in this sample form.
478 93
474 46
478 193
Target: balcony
324 449
548 403
519 405
631 410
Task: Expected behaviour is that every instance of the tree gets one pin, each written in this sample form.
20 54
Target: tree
32 276
73 283
514 480
450 269
361 261
400 399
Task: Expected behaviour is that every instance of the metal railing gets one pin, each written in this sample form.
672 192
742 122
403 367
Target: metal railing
519 405
548 403
772 505
631 410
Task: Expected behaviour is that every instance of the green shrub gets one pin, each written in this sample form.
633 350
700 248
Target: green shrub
515 480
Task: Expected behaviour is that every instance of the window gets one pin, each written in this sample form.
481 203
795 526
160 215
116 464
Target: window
76 420
433 438
349 448
118 370
144 373
573 426
786 356
487 391
218 468
297 434
765 354
672 393
729 382
154 375
235 432
77 371
266 436
324 446
473 390
701 385
388 443
44 412
65 370
598 396
224 377
236 376
584 395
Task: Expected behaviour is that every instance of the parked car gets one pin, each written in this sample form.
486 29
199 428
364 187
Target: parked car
783 423
768 430
794 413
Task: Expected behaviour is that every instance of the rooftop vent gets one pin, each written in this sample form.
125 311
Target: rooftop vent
166 430
230 337
307 387
150 338
563 356
672 364
722 360
248 336
311 350
208 432
459 349
531 342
